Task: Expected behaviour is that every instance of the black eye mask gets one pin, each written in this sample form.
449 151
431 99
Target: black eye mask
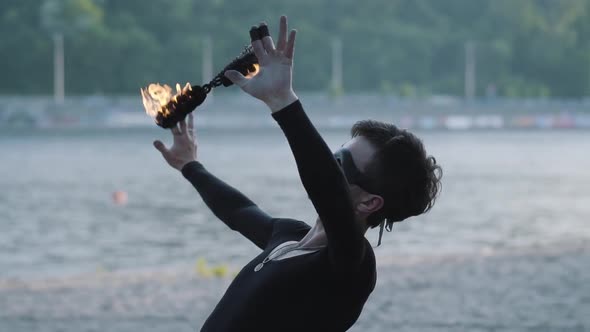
355 176
351 172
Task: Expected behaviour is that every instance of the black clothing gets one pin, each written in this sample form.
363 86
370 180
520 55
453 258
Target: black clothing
320 291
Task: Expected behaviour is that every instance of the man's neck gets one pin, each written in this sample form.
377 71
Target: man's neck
316 236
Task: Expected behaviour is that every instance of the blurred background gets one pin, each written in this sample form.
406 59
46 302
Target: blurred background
97 232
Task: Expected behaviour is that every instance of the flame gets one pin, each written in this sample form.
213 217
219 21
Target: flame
156 97
253 73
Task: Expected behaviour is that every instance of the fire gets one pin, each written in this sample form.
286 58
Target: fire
156 98
253 73
167 107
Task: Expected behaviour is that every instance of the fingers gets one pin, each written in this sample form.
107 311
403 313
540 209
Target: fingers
282 41
267 41
183 126
259 51
268 44
236 77
176 131
257 45
263 45
290 49
191 128
191 125
161 147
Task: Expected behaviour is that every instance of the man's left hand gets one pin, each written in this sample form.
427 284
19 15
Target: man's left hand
272 84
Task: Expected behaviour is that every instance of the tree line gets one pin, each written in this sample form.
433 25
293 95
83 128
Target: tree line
520 48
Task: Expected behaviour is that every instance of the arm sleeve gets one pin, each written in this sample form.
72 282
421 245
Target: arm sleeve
229 205
325 184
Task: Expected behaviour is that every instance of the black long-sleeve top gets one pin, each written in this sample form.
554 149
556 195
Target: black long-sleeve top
320 291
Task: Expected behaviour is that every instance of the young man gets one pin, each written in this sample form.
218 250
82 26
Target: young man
319 278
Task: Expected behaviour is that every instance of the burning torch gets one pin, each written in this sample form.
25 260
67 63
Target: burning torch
167 109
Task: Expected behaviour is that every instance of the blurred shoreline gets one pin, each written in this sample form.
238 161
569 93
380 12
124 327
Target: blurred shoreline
235 111
385 260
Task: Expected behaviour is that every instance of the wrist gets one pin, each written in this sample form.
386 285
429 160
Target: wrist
190 170
277 103
180 166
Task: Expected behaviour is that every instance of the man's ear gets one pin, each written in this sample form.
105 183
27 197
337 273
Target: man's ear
370 203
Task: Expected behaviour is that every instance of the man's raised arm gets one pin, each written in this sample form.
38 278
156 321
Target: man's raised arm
226 202
321 176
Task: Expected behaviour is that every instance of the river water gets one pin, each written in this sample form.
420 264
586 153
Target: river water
506 247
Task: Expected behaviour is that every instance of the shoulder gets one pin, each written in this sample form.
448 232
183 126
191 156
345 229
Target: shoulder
364 274
285 225
287 229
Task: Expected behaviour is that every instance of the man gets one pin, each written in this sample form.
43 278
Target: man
309 279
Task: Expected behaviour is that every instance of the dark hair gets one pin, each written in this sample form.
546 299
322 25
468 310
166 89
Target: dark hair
406 178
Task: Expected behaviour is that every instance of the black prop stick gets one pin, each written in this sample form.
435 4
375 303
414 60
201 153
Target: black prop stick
168 110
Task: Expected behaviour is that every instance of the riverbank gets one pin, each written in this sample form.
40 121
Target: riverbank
535 289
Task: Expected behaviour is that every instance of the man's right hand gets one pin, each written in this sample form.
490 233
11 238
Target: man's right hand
184 148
